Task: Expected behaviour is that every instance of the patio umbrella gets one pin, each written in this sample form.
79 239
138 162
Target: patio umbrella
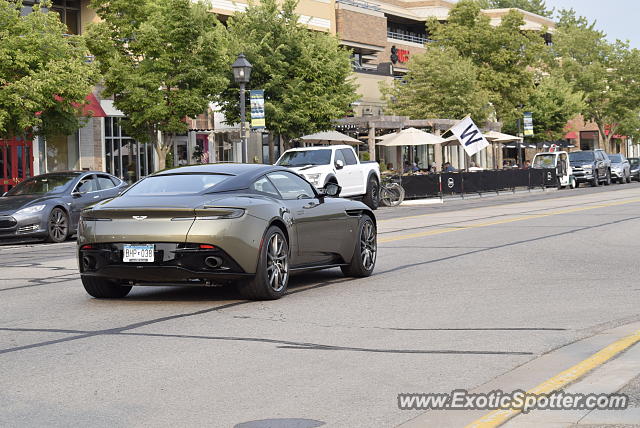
409 137
329 137
499 137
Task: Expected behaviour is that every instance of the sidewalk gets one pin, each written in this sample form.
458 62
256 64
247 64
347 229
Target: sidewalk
438 200
620 374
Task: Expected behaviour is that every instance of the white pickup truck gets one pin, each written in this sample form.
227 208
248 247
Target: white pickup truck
336 164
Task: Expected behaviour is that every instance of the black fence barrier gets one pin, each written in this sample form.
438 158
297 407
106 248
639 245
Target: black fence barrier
451 183
416 186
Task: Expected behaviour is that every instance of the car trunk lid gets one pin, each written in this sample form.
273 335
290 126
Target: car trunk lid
153 219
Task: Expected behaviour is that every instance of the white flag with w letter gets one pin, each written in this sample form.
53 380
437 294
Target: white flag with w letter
470 136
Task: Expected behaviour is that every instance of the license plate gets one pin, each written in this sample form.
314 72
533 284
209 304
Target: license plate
138 253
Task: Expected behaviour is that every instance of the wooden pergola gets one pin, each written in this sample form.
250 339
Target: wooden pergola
372 125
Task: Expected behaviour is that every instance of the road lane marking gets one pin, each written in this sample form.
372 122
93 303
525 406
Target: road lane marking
562 379
503 221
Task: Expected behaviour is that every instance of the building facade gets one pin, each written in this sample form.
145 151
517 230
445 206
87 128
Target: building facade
383 36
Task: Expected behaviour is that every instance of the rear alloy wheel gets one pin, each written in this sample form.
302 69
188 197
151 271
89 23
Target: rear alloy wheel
272 276
57 226
372 197
366 251
103 288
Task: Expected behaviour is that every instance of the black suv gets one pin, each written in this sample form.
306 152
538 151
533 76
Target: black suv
591 166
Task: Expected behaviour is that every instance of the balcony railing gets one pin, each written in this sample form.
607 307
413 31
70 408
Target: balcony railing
360 3
407 37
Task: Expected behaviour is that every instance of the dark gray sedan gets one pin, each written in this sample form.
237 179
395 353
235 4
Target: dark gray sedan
48 206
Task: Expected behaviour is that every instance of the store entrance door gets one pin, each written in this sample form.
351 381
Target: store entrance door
16 162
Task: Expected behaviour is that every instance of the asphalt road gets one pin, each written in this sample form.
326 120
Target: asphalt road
463 292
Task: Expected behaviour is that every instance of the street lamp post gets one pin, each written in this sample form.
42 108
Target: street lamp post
242 74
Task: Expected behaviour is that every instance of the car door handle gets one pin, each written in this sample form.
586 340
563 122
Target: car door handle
310 205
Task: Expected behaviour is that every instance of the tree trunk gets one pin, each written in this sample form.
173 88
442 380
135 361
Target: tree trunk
162 149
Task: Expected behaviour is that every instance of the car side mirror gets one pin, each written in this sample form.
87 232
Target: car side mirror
332 190
339 164
76 194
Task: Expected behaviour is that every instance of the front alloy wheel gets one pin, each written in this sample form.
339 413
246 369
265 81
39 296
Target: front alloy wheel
57 226
272 274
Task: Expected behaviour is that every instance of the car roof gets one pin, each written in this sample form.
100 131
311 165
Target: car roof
333 146
241 175
215 168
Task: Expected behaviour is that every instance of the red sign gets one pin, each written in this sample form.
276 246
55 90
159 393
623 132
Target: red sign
399 55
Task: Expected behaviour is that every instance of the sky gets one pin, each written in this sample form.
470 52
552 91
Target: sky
617 18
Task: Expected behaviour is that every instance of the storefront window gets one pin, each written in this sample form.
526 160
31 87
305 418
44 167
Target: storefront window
125 157
589 140
62 153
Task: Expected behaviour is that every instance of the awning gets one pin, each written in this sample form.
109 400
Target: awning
92 109
571 135
109 109
617 136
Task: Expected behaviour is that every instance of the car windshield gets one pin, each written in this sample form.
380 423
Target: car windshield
308 157
634 161
50 183
615 158
581 156
544 161
175 184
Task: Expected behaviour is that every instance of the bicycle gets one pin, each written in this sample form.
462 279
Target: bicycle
391 192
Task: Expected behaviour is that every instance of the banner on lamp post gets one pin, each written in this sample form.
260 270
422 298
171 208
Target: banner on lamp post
257 109
469 136
528 124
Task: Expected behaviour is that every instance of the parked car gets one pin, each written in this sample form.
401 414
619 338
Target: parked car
48 206
634 168
560 162
336 164
208 224
620 168
591 166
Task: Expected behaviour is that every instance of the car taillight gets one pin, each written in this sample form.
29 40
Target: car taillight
207 247
87 247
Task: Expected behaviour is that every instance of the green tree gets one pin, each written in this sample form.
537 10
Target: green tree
505 55
305 74
439 83
607 74
553 103
45 74
538 7
162 60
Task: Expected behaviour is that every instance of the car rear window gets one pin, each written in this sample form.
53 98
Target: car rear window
176 184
